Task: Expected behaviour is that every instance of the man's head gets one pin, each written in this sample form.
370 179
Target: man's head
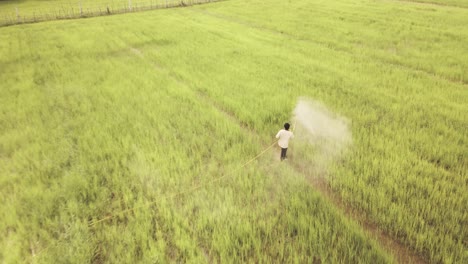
286 126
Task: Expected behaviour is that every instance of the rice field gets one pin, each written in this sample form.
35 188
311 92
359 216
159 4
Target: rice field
146 137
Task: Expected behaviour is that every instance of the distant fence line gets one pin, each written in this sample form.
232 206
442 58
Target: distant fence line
62 12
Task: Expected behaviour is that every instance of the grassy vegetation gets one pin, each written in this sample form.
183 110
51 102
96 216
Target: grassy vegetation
174 99
453 3
31 11
29 7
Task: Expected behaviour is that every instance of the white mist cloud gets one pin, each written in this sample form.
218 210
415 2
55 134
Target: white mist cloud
327 132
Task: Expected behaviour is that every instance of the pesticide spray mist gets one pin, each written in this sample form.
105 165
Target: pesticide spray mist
321 136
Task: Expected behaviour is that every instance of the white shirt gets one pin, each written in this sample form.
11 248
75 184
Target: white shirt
284 136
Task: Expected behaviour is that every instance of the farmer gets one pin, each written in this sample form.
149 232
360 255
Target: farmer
284 135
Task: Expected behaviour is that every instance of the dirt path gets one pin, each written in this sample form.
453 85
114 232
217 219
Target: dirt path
400 252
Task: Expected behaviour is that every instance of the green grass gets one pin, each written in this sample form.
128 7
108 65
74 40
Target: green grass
450 3
31 11
101 116
47 6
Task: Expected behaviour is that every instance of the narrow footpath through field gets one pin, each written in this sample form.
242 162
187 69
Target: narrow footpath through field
400 252
318 182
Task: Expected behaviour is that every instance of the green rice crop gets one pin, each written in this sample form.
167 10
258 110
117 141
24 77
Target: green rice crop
103 115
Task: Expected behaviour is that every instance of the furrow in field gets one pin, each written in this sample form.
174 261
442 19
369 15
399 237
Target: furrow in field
209 101
401 252
320 184
201 94
394 246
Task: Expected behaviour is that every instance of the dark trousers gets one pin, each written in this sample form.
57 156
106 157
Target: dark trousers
283 153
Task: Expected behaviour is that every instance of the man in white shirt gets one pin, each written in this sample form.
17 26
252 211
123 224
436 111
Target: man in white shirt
284 135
